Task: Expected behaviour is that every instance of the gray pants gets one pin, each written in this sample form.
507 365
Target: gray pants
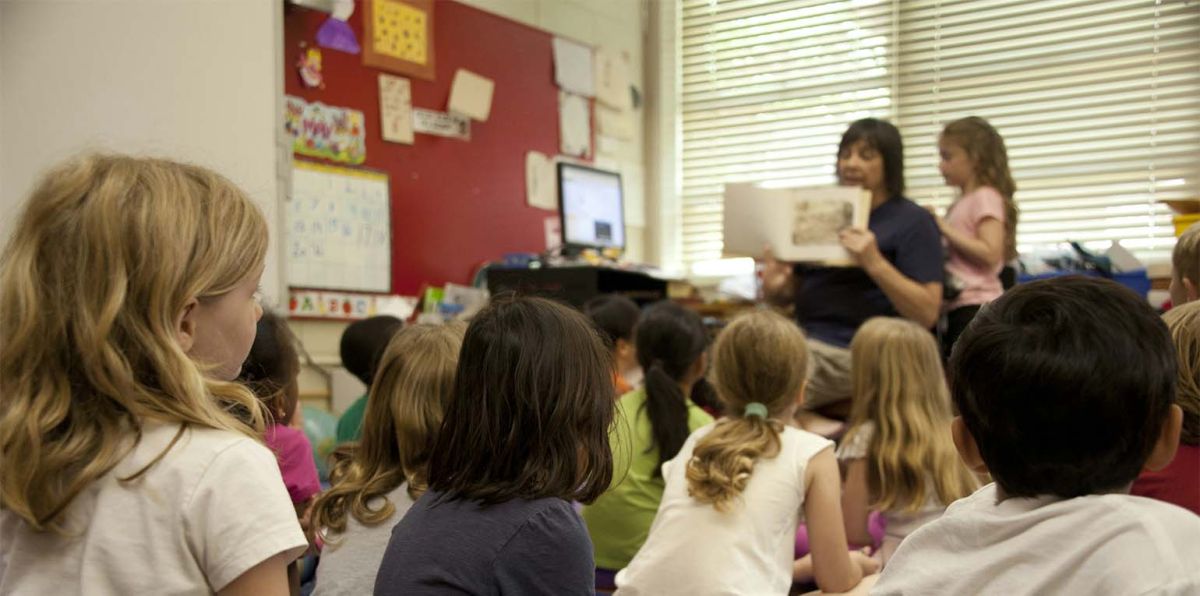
828 375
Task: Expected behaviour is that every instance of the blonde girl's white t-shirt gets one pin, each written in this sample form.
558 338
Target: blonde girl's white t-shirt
212 508
695 549
350 560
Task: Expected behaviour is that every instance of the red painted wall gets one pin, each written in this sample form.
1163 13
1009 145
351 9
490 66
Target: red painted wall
455 204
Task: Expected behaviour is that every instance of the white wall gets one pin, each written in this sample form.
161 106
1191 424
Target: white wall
193 80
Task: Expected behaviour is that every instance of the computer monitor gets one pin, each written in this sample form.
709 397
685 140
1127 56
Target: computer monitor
590 205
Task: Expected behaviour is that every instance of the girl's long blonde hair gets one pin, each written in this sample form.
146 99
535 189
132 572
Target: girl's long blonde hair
413 382
1184 323
760 357
102 261
985 148
900 388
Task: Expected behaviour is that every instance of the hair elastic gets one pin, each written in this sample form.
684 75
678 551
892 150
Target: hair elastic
755 409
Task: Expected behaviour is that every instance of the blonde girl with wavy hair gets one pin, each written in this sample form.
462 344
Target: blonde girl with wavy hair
735 492
898 455
980 227
378 479
127 305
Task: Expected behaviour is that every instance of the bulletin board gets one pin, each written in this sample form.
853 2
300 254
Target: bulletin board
337 227
455 204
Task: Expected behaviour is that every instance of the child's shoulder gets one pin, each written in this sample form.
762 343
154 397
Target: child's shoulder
191 451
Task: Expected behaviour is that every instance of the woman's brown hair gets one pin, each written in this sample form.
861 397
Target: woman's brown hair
531 408
413 382
761 357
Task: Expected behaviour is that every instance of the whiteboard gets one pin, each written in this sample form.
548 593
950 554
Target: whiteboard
339 233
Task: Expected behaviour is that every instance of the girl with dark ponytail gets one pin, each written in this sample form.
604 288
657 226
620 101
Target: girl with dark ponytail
651 425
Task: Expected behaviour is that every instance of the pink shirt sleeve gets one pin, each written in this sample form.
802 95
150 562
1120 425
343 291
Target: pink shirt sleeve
296 464
985 202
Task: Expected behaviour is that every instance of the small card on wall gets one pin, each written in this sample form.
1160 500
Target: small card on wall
471 95
574 125
441 124
395 109
540 185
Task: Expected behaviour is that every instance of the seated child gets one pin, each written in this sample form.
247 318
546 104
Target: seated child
737 489
362 344
270 371
617 317
652 424
898 457
380 476
1179 482
1065 389
1185 267
524 433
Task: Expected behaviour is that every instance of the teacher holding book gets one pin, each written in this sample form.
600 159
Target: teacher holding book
898 266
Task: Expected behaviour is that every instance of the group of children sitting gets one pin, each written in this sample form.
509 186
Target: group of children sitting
139 379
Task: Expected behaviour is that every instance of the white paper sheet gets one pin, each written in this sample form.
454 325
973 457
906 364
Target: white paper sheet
612 79
471 95
573 69
614 123
799 224
441 124
540 183
574 125
395 109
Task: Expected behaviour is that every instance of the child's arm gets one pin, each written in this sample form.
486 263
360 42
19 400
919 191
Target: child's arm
269 578
856 503
986 249
832 567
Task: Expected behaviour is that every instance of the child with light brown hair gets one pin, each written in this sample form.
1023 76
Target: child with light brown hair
980 226
1185 267
736 490
128 302
381 476
1179 482
898 456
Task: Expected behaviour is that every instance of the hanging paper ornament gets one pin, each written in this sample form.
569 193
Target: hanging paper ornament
335 33
309 67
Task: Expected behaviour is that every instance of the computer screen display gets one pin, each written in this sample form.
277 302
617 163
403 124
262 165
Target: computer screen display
590 203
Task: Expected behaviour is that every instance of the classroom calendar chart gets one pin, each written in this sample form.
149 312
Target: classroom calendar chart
339 229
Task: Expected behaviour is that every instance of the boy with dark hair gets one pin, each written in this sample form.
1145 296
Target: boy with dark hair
362 344
1065 389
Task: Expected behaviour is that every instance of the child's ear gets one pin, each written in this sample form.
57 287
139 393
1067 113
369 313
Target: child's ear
1168 440
968 449
185 325
800 395
1189 288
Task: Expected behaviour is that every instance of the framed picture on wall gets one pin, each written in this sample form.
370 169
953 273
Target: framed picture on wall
399 36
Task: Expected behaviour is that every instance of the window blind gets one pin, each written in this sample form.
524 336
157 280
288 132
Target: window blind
1098 102
767 89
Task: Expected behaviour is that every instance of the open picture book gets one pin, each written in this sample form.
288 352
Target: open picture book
799 224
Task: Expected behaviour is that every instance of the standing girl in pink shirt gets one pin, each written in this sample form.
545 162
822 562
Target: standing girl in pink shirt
980 225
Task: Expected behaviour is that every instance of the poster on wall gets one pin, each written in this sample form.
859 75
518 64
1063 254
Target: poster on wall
395 109
399 36
329 132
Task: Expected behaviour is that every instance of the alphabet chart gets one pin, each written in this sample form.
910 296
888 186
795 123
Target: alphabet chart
339 234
